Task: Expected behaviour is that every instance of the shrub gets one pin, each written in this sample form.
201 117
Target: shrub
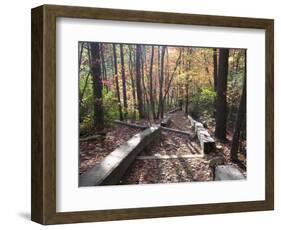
202 103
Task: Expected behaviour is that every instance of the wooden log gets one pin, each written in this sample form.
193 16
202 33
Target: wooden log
94 137
112 168
163 157
174 110
228 172
130 125
176 131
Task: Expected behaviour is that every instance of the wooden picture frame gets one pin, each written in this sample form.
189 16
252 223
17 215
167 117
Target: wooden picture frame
43 208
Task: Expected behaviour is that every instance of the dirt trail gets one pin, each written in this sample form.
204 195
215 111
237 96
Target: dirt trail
174 158
180 121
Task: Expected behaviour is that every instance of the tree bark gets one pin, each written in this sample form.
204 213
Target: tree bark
138 81
105 83
239 122
95 66
215 76
161 80
150 83
215 63
186 98
156 88
221 106
143 69
132 82
117 82
124 82
80 56
188 68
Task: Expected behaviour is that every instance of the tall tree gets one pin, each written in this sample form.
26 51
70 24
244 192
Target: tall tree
151 84
123 82
215 64
157 83
131 64
95 68
80 55
221 104
102 48
239 121
138 81
143 73
161 80
188 68
215 74
117 82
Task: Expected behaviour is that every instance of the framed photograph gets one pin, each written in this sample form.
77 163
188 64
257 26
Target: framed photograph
139 114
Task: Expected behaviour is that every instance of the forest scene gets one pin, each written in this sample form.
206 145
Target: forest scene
160 114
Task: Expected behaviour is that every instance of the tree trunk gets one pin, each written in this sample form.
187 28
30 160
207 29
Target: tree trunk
186 98
124 82
97 86
161 80
155 87
221 106
138 81
215 63
166 78
150 83
132 82
145 87
105 83
215 76
239 122
157 102
80 56
117 83
145 97
188 68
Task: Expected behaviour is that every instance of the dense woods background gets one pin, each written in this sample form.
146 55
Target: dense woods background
135 82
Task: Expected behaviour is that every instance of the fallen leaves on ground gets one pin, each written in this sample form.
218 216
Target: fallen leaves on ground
146 171
93 151
171 143
168 171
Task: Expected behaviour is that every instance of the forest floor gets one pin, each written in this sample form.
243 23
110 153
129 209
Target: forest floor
174 158
223 147
94 150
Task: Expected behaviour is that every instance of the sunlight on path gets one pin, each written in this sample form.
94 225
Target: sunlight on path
174 158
